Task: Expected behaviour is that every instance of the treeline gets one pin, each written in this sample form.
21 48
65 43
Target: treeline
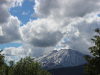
25 66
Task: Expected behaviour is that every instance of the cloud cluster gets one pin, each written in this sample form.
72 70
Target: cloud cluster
79 34
13 53
73 20
41 33
66 8
9 25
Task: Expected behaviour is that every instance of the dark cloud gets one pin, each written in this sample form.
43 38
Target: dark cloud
10 31
36 51
4 13
48 39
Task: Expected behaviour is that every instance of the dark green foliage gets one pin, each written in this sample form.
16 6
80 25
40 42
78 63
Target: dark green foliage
2 63
93 65
1 58
25 66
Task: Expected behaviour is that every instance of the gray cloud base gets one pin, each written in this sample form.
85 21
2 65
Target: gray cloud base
10 31
49 39
66 8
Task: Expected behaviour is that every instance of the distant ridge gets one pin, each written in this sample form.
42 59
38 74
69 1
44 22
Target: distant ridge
61 58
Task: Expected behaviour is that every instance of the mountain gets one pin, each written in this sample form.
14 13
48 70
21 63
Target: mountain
61 58
76 70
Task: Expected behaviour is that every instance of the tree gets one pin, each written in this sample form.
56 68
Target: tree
2 63
26 66
92 67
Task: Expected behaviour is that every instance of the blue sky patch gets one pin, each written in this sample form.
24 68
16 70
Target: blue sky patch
98 15
2 46
65 39
57 47
24 13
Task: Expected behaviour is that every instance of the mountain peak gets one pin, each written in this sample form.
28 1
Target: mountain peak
61 58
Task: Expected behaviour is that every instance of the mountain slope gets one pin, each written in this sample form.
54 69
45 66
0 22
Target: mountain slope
77 70
61 58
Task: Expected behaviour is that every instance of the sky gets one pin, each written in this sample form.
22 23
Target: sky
34 27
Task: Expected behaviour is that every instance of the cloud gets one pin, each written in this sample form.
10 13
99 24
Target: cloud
5 5
65 8
15 11
69 19
25 50
79 34
18 2
1 31
49 39
41 33
12 51
24 13
4 13
49 30
72 17
10 31
34 15
9 25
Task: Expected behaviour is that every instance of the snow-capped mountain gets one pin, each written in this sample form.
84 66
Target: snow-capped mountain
61 58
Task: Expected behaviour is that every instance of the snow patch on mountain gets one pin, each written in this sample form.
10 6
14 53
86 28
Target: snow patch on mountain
61 58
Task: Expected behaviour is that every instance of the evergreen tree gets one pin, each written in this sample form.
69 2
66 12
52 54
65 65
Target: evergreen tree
2 63
26 66
92 67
